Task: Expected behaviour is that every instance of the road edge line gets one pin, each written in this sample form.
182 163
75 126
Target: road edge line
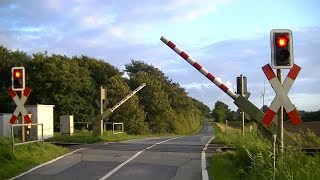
51 161
133 157
204 171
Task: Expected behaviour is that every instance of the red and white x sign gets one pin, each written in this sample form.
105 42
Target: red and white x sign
20 105
281 94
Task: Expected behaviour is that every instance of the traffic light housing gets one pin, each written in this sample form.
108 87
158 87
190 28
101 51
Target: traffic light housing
18 78
241 83
281 49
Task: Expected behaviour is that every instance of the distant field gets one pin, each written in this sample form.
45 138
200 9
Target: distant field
313 126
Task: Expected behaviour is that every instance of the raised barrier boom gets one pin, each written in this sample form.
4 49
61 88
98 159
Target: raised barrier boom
127 97
109 111
201 69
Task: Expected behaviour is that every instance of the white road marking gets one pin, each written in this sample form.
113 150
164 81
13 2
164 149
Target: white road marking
134 156
205 175
39 166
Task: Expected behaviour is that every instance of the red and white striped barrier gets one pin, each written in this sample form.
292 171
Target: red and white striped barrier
281 94
20 105
196 65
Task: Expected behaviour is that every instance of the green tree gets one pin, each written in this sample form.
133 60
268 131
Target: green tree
131 112
100 71
220 111
310 116
204 109
59 81
137 66
159 114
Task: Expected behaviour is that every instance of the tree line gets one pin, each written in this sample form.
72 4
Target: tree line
72 84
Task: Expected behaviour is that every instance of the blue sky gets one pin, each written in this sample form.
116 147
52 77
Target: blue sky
227 37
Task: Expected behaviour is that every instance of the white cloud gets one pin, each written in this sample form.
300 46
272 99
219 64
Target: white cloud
198 86
54 4
117 31
97 20
304 101
247 52
176 70
229 85
183 11
194 14
177 4
31 29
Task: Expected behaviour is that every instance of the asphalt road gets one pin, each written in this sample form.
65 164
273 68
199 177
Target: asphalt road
144 159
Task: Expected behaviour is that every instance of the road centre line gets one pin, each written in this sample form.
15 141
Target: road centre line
131 158
205 175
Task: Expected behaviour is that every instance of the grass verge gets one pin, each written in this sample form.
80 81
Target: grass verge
85 136
253 159
26 156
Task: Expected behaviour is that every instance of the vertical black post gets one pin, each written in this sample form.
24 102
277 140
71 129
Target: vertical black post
280 118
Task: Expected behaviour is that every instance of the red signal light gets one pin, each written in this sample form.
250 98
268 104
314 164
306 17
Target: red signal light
17 74
18 78
282 41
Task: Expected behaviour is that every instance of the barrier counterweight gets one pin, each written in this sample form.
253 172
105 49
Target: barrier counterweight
201 69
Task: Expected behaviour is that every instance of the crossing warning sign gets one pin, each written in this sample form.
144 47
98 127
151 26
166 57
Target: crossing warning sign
20 105
281 94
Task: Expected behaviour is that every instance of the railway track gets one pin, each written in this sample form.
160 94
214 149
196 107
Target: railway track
214 148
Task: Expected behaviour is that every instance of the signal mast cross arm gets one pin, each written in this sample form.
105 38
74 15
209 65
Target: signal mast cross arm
201 69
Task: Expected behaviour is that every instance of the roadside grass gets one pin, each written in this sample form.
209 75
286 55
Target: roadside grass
26 156
252 158
85 136
225 136
223 163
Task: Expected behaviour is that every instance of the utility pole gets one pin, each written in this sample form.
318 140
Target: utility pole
98 128
242 94
280 117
